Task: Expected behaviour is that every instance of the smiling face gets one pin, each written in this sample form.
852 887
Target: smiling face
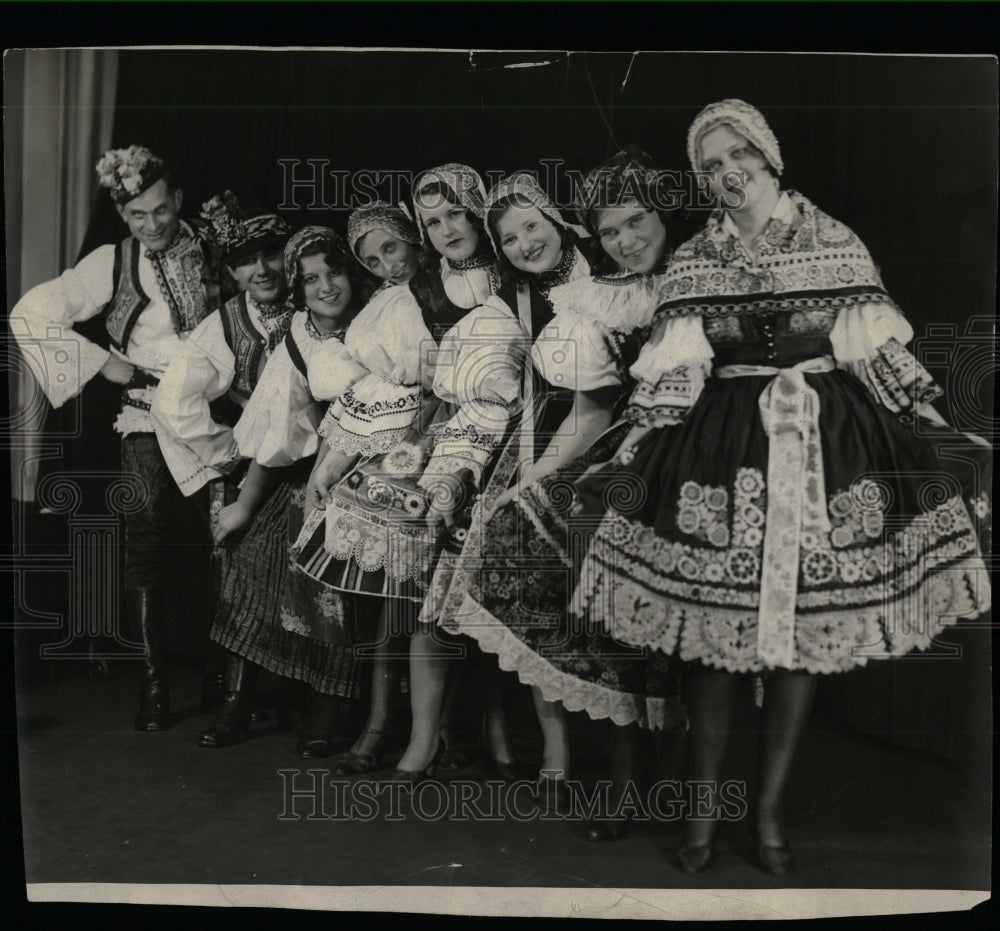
153 216
262 274
740 175
530 240
326 289
633 236
387 257
449 226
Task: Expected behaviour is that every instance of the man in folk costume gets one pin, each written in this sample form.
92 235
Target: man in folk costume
154 288
199 402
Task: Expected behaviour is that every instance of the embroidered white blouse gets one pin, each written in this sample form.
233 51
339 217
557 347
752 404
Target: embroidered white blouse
280 421
195 447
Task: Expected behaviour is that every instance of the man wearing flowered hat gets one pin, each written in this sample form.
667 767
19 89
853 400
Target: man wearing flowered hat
154 288
195 409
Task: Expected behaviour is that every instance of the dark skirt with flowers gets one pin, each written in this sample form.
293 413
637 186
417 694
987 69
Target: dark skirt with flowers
515 606
253 584
893 557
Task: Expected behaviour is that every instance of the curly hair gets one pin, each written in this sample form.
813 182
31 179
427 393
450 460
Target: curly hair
361 285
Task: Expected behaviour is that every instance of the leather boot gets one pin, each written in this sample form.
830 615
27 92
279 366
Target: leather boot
213 684
232 723
145 618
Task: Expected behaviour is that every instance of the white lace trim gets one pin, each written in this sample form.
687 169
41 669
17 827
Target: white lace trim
624 306
574 694
825 642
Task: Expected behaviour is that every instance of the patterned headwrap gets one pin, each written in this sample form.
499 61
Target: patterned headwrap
240 232
126 173
464 182
628 175
526 186
333 248
745 119
380 216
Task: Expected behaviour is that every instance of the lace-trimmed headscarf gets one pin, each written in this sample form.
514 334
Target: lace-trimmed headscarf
464 182
745 119
332 246
380 216
240 232
525 186
628 175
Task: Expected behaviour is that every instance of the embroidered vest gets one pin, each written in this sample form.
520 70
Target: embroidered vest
250 347
184 275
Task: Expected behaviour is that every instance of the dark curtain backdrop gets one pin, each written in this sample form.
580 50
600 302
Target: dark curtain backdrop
902 149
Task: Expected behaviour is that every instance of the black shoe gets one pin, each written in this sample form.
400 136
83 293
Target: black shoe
232 724
319 734
144 616
695 858
410 778
775 859
509 772
552 795
357 764
609 828
212 692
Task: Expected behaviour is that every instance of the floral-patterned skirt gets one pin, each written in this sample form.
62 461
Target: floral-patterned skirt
706 547
253 582
515 606
373 538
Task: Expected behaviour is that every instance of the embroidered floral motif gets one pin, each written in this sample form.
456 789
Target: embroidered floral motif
856 515
294 623
404 459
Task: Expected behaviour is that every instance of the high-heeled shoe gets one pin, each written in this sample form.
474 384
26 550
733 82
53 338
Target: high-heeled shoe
410 778
515 771
775 859
695 858
353 763
552 795
609 828
454 759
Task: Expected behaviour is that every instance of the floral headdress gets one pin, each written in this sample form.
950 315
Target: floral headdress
745 119
380 216
464 182
240 232
333 247
525 185
126 173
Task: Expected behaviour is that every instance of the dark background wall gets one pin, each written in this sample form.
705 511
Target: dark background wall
903 149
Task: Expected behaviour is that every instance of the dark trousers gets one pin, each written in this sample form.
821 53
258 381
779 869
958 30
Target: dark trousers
162 524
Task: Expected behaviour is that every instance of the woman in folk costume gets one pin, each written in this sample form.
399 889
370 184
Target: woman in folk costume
199 399
516 606
537 252
380 531
767 443
278 429
386 242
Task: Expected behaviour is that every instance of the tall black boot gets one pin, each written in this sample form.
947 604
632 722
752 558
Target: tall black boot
232 723
213 685
145 618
